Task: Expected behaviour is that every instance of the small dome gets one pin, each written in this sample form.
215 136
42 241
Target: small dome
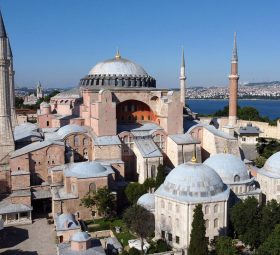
272 165
118 66
80 237
229 167
147 201
69 129
86 169
66 221
193 182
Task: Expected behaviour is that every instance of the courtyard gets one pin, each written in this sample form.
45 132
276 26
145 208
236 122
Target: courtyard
35 239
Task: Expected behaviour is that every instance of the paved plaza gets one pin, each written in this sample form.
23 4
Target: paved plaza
35 239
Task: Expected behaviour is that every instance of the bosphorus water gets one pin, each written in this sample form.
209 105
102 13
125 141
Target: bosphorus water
269 108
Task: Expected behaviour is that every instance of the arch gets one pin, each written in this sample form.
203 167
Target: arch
134 111
206 224
237 178
154 98
207 209
216 223
92 187
153 171
216 208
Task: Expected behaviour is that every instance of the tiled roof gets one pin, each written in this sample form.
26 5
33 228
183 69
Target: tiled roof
147 148
107 140
183 139
6 207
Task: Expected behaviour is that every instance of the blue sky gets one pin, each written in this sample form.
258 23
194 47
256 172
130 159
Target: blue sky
58 41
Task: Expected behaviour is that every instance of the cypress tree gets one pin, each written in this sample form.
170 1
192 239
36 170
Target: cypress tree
160 176
198 243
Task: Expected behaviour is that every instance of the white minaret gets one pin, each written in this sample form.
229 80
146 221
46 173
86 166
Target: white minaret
183 80
6 133
12 86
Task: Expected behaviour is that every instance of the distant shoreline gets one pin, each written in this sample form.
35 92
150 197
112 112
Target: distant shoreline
226 99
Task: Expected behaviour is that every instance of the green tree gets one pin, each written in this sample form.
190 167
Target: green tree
198 243
225 246
133 191
134 251
139 221
160 176
271 246
270 217
103 200
245 218
260 161
149 184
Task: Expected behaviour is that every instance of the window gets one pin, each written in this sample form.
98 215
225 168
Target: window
162 204
169 237
177 208
162 234
76 141
206 224
216 223
240 189
142 117
132 108
177 239
92 187
159 141
216 208
169 206
236 178
243 139
85 142
149 117
48 123
24 214
207 209
153 171
73 188
52 161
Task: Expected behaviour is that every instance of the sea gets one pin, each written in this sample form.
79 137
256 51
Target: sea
269 108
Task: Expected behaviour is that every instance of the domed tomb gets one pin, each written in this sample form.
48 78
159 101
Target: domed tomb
117 72
147 201
193 182
272 166
229 167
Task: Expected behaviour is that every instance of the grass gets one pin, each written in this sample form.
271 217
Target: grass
105 224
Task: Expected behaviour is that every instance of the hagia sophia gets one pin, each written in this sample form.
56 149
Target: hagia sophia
117 126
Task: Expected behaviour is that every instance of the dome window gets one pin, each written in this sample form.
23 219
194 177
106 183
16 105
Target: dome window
236 178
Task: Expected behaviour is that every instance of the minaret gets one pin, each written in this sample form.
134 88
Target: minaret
233 86
12 86
183 80
6 133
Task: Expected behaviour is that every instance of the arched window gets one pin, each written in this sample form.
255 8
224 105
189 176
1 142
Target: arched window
162 219
236 178
76 140
216 208
85 142
216 223
162 204
48 123
206 224
207 209
153 171
92 187
142 117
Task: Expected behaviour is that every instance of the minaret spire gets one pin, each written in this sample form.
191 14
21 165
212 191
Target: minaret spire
12 86
233 86
118 55
6 133
183 80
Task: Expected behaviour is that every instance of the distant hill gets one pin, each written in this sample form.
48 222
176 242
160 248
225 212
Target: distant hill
271 83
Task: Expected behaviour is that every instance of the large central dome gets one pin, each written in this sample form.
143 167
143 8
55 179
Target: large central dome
117 72
118 66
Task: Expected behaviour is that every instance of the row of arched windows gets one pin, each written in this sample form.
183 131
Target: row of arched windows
215 209
215 223
77 141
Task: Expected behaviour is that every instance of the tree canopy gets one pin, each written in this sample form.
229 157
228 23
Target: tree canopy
225 246
198 244
139 221
271 246
160 176
133 191
103 200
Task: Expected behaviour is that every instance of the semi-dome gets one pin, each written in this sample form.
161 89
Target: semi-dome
272 165
80 237
66 221
117 72
193 182
69 129
88 169
229 167
147 201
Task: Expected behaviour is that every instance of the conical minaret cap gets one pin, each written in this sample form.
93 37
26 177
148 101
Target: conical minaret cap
183 58
3 33
234 57
9 53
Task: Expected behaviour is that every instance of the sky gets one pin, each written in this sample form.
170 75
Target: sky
59 41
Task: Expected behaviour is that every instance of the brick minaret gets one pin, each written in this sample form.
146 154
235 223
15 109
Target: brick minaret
12 86
6 133
183 80
233 86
